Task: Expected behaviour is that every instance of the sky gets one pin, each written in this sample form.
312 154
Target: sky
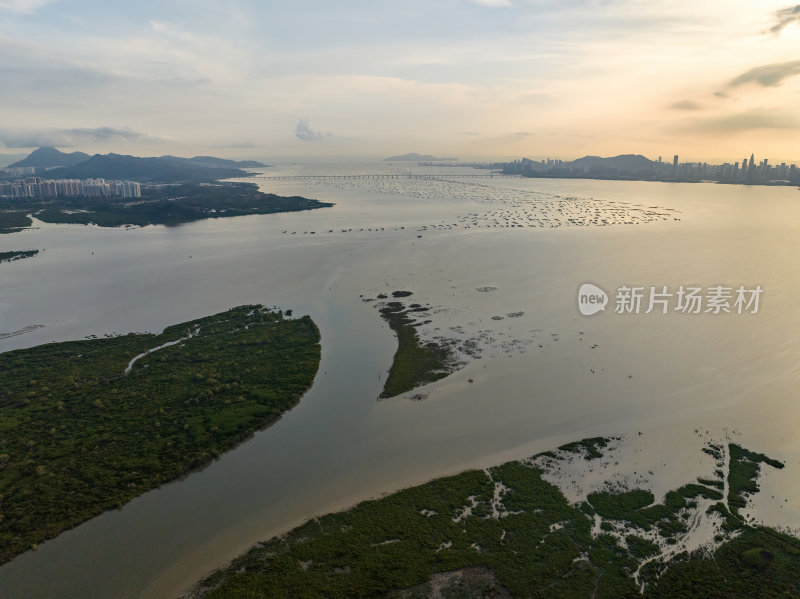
477 79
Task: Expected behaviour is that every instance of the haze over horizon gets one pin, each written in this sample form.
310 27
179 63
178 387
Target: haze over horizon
708 80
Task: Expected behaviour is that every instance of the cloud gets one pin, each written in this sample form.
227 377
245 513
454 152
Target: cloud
238 145
768 75
517 135
506 138
492 2
748 121
785 16
27 7
538 99
686 105
31 138
304 132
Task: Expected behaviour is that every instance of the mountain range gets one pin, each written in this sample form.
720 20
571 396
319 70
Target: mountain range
49 157
623 161
163 169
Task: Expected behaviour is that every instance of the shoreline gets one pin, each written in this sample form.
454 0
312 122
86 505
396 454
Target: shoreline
195 431
254 564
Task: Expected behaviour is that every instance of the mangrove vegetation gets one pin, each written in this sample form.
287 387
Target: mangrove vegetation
415 363
86 426
13 256
507 532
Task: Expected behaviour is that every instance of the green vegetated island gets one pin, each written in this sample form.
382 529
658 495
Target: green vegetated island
507 532
15 255
415 363
12 219
159 205
85 426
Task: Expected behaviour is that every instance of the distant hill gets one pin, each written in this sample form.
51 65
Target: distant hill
413 156
212 161
162 169
47 156
623 161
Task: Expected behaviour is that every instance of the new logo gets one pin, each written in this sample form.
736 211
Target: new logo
591 299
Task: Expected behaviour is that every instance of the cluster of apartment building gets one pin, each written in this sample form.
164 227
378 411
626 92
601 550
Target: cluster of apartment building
17 171
43 189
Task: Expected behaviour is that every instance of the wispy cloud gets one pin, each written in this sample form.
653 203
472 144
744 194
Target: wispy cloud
768 75
31 138
686 105
27 7
304 132
492 2
750 120
517 135
506 138
784 17
238 145
538 99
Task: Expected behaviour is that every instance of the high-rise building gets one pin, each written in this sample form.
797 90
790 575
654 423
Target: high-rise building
36 187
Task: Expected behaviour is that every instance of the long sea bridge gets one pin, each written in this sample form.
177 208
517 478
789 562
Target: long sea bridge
381 176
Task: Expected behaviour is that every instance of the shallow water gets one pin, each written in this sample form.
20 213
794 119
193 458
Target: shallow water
665 375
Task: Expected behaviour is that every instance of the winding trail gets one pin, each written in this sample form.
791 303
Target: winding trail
154 349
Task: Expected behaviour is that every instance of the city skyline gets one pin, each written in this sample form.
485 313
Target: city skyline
490 79
746 172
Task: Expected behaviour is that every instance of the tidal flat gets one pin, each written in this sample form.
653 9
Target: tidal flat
509 531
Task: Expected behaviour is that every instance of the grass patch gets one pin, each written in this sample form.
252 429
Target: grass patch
12 221
620 506
758 563
17 255
692 490
592 447
714 450
743 473
639 547
414 363
718 484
